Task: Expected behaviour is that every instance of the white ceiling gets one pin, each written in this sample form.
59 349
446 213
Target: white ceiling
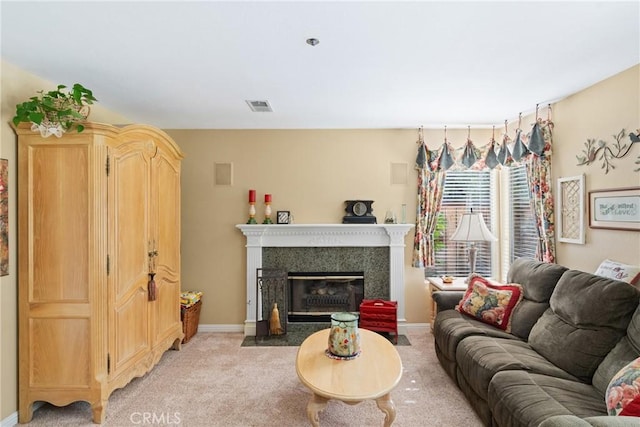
379 64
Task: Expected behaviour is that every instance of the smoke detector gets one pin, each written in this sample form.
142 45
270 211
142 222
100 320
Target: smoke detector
260 106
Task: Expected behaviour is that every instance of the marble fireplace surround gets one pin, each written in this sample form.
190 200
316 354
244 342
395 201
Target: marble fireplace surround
391 236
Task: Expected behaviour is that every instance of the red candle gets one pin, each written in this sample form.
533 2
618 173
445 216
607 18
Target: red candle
252 196
267 198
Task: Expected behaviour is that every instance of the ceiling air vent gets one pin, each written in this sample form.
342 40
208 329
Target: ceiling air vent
260 106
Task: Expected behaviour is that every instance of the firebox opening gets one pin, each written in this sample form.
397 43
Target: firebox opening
313 296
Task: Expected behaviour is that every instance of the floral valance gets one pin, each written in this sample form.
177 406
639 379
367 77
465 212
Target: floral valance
531 149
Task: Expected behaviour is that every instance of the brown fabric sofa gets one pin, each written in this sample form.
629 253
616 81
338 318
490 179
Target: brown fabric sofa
569 336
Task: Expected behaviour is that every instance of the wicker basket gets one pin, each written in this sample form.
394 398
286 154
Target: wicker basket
190 317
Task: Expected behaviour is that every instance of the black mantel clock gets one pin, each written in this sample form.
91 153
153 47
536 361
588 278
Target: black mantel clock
359 212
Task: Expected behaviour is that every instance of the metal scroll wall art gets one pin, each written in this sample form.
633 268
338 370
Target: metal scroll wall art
606 152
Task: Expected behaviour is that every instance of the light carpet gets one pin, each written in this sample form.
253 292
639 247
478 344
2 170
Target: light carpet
214 381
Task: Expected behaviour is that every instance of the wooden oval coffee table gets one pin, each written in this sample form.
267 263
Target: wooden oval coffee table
370 376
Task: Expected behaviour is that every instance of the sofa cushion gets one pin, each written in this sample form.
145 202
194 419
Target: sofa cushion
480 358
619 271
490 303
627 349
520 398
479 404
587 317
538 279
450 327
623 393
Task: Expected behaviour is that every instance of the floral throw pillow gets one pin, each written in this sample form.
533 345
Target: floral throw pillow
623 393
490 303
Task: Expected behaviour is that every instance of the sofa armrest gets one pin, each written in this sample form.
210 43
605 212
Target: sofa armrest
600 421
447 300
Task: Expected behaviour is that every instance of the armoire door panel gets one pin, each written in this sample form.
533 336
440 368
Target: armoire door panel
166 206
58 218
129 217
166 220
130 199
59 353
131 322
165 317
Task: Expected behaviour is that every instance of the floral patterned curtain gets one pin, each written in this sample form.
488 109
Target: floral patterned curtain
532 150
540 184
430 186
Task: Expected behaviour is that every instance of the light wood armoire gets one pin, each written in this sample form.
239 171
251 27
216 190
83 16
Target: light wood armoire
98 211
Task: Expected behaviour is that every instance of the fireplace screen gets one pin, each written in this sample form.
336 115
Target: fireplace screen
314 296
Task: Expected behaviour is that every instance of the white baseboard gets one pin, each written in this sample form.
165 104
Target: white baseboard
220 328
10 421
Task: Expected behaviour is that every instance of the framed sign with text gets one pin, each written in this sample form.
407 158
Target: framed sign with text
615 209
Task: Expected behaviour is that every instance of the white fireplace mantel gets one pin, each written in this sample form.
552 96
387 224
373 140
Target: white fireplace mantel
326 235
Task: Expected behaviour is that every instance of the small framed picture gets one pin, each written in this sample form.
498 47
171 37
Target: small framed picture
283 217
615 209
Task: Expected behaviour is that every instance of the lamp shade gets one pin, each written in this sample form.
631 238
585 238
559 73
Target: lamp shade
472 228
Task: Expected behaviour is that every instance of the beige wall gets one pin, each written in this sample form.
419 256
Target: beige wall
311 173
18 86
599 112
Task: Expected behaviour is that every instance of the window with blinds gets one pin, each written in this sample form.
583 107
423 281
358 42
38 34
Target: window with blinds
463 191
510 213
524 233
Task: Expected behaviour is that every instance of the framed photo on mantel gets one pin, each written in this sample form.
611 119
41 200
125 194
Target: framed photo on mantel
615 209
283 217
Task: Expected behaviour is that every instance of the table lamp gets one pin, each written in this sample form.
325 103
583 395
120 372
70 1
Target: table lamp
472 228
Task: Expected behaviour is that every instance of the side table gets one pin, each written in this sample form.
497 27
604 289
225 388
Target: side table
436 284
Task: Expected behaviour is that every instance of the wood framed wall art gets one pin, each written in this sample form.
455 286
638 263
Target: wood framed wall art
615 209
